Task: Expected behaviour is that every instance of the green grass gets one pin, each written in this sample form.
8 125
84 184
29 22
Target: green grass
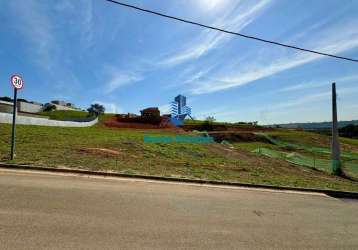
69 147
301 137
64 114
250 146
312 150
349 141
229 124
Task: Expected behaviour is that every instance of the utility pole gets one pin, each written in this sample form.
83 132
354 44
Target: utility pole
336 161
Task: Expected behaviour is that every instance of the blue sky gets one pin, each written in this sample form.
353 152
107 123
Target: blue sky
87 51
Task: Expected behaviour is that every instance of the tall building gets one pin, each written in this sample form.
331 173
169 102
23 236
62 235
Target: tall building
181 101
179 110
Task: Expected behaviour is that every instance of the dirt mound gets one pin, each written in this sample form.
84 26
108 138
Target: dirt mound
224 127
114 123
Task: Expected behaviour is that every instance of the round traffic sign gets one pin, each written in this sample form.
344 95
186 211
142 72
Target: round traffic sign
17 82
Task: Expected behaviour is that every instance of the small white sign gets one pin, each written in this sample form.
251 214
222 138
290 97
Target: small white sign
17 82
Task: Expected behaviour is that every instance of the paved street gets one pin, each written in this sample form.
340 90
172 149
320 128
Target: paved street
48 211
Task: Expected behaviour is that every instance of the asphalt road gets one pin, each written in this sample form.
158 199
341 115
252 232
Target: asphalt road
44 211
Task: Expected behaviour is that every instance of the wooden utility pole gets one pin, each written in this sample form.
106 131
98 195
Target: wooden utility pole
336 159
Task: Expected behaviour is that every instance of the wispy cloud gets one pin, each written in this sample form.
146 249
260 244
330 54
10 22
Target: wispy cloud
312 98
320 83
120 78
329 42
211 5
306 85
39 31
36 27
87 25
236 20
81 17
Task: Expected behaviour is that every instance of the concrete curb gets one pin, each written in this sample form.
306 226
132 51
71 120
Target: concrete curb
333 193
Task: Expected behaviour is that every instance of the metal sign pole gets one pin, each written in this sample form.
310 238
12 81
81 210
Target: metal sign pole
13 125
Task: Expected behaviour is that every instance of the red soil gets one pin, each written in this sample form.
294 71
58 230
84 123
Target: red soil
114 123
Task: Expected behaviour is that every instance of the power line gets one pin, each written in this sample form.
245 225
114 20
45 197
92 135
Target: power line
231 32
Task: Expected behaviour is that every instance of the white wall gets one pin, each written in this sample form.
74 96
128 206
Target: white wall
60 107
25 120
6 107
29 107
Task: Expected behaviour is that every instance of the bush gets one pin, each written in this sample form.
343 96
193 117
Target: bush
49 107
96 109
350 131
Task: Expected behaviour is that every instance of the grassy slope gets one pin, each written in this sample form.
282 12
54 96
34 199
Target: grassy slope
64 114
51 146
308 139
313 139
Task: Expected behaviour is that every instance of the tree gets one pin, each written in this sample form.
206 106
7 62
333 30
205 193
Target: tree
350 131
210 119
96 109
22 100
49 107
208 125
6 99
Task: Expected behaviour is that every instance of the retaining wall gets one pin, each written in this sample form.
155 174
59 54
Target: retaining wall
26 120
29 107
6 107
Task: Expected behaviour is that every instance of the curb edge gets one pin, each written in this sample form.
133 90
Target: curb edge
329 192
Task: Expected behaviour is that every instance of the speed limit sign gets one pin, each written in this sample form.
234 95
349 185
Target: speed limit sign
17 82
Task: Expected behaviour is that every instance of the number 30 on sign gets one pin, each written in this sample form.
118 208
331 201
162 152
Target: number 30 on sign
17 82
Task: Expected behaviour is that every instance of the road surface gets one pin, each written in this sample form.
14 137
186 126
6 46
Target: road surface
52 211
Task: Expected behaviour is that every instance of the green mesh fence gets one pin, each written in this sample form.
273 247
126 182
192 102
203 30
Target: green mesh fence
312 149
350 168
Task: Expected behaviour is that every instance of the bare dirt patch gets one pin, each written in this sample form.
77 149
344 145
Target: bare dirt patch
114 123
101 151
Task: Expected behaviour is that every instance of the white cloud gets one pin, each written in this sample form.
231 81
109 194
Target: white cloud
87 35
210 5
120 78
312 98
271 66
39 34
306 85
310 108
208 40
36 27
320 83
255 72
165 109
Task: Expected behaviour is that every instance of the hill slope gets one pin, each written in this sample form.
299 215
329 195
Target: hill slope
123 150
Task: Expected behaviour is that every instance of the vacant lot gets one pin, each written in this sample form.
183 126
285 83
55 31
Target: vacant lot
123 150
